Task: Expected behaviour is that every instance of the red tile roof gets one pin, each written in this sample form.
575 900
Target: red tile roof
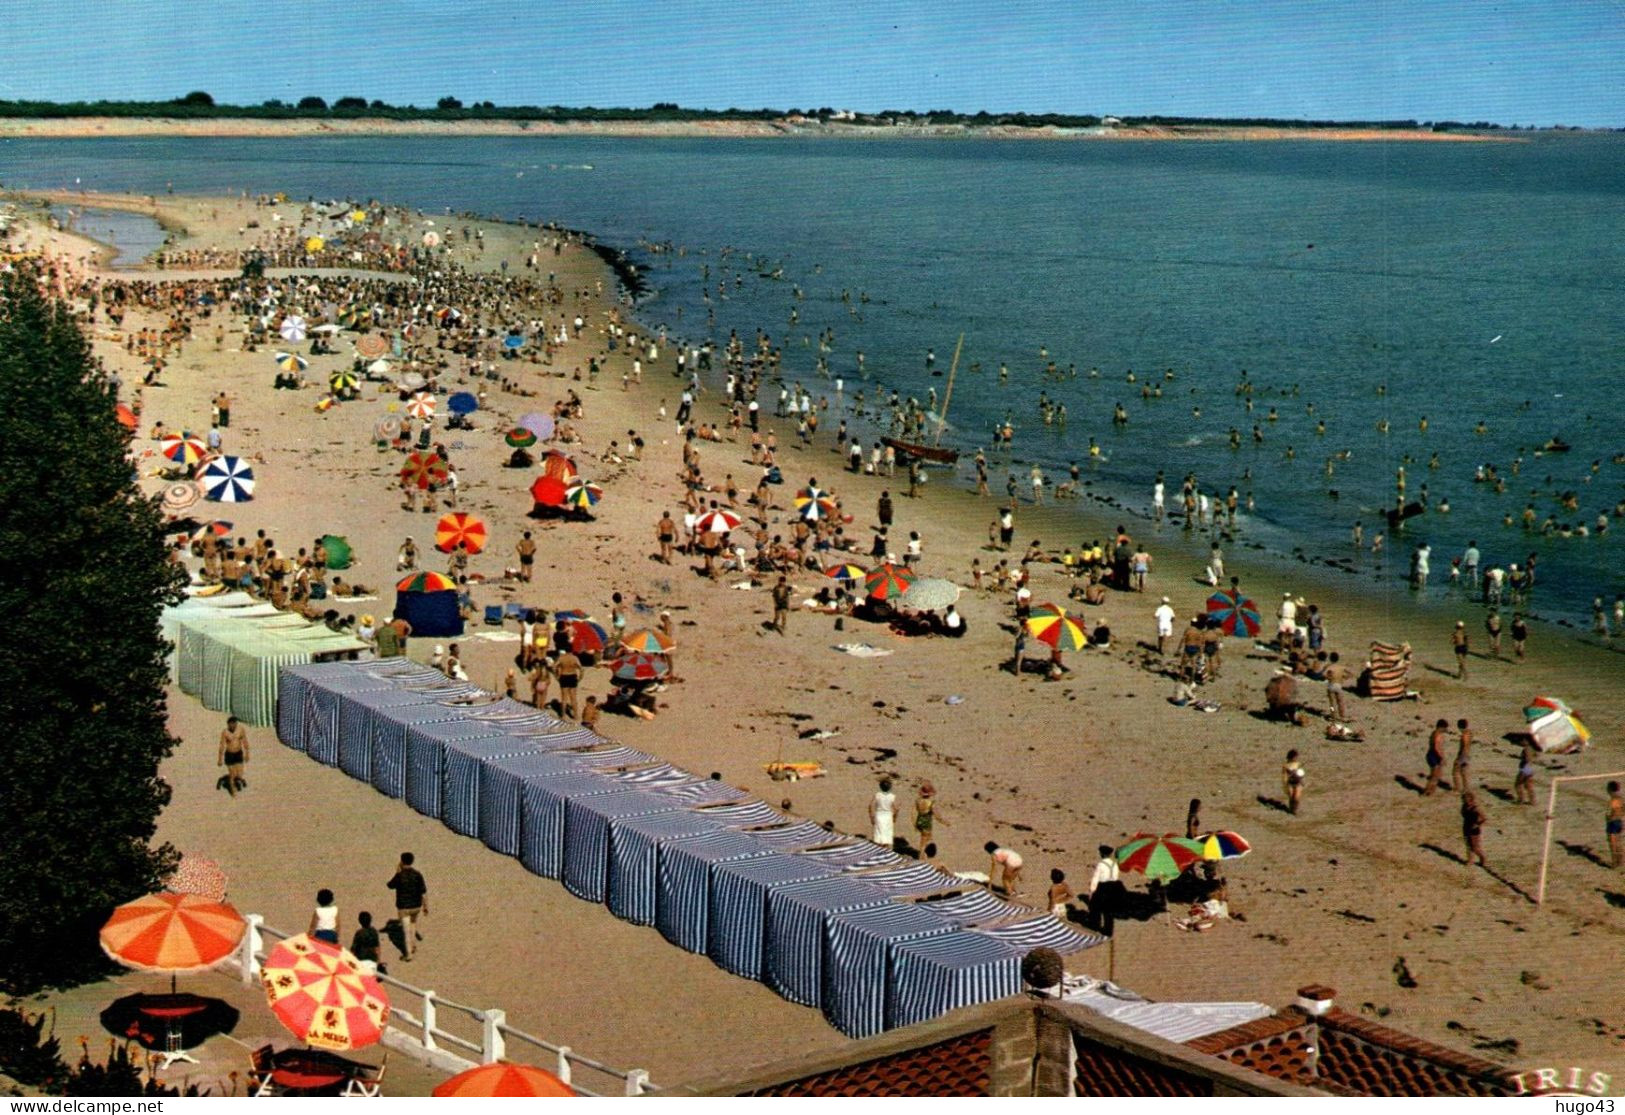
1104 1071
960 1066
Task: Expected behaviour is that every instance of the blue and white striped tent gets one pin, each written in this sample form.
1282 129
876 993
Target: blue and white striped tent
587 821
515 712
293 686
356 715
856 855
606 756
425 755
389 747
738 920
748 812
465 776
705 791
541 817
501 796
934 975
1044 932
308 696
799 835
857 961
793 951
975 906
683 881
635 846
654 776
324 698
913 880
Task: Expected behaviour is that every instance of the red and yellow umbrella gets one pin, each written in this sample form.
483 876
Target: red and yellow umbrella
425 582
559 466
183 450
1049 624
645 641
422 469
319 992
459 529
502 1079
172 933
886 581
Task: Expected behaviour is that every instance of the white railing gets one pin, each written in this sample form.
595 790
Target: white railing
426 1037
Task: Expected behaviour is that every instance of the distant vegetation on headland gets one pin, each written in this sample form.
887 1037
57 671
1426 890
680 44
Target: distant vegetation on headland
200 106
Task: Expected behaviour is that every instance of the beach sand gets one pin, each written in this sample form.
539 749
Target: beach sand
1368 873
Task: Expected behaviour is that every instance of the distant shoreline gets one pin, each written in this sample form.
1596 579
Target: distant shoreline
92 127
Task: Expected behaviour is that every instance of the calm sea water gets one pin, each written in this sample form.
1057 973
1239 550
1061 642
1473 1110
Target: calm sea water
1463 283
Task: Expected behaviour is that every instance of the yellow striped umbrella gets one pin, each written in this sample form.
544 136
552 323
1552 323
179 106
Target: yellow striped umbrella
1049 624
172 933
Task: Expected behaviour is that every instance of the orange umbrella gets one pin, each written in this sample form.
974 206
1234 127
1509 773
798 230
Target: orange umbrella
319 992
126 416
459 528
172 933
558 466
502 1079
548 491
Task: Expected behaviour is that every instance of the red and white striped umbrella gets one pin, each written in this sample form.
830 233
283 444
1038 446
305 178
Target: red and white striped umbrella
718 521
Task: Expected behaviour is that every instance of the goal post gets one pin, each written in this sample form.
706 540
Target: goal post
1551 818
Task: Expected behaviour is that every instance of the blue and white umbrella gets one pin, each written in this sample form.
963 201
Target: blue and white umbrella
293 328
228 480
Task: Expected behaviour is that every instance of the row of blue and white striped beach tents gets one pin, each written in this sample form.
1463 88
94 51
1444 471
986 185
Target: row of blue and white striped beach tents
874 940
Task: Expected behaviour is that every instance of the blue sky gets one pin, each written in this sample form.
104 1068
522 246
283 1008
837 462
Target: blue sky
1525 62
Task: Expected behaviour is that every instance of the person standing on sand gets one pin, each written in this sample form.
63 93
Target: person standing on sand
232 755
666 535
324 920
1105 887
883 511
1520 635
526 549
1523 788
883 816
411 900
1164 616
1472 828
1060 894
567 668
925 815
1336 675
1492 627
1435 757
1292 777
1458 643
1614 826
781 605
1460 774
1004 869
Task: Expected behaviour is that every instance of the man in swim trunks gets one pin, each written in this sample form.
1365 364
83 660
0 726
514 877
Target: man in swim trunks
1615 826
233 754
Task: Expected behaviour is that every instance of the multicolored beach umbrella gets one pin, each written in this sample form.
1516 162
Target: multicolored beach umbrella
719 520
887 581
538 423
1050 625
184 450
172 933
1234 613
813 504
386 429
421 405
582 497
1158 857
290 362
846 573
1554 726
423 468
647 641
228 480
586 636
293 328
372 345
463 402
181 496
520 438
424 582
638 667
320 993
459 529
220 528
1223 845
343 380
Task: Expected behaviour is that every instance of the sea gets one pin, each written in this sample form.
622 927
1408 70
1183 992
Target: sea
1340 310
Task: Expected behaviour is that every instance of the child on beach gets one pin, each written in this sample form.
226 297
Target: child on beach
1292 777
1523 789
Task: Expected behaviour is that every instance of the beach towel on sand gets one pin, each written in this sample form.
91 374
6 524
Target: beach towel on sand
861 650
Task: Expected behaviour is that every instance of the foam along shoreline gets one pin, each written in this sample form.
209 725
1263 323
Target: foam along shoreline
90 127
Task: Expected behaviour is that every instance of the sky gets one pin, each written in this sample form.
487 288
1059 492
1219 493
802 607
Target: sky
1536 62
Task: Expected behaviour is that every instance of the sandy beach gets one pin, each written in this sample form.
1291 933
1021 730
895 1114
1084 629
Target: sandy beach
1367 881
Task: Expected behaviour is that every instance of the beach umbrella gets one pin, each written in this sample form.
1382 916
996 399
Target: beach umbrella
372 345
463 402
423 468
421 405
582 496
320 993
125 417
379 367
340 554
846 573
152 1021
1234 613
1158 857
343 380
172 933
586 636
289 362
520 438
350 317
293 328
220 528
887 581
1554 726
199 876
386 429
539 424
425 582
813 504
459 529
431 239
638 667
929 594
228 480
314 243
413 381
514 341
450 315
646 641
501 1078
184 450
719 520
1049 624
180 496
558 464
1223 845
549 491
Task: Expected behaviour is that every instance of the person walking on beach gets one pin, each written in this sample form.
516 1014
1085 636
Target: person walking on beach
666 535
1520 635
781 605
1292 776
1435 757
1523 787
1164 616
1472 828
1336 676
232 755
526 549
926 817
1492 627
1105 887
883 816
411 900
883 510
567 668
1614 825
1460 773
1458 643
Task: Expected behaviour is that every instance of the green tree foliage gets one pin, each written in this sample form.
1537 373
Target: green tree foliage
312 104
448 104
197 97
83 576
